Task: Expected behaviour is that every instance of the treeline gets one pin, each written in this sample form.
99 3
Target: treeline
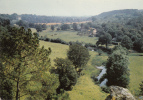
58 40
120 27
51 19
10 17
43 19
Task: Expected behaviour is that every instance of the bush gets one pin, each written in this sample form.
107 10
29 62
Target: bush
67 73
105 89
47 39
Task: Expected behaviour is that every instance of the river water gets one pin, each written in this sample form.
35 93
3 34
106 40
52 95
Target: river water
103 83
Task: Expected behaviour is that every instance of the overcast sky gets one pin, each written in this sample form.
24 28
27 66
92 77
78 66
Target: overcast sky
66 7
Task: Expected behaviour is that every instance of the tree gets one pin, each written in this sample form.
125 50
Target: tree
117 68
67 73
27 65
22 23
52 27
44 26
65 26
141 88
138 45
38 28
31 25
75 26
78 55
127 42
104 39
4 22
5 85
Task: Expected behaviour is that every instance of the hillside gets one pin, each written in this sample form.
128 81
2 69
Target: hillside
120 16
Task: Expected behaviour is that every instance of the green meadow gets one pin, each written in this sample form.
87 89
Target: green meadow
69 35
86 89
136 73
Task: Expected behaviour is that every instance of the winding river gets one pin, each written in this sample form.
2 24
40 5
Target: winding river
103 83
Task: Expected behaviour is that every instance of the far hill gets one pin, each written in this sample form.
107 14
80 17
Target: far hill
132 12
118 15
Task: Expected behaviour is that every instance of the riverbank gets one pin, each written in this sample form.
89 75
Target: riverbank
103 83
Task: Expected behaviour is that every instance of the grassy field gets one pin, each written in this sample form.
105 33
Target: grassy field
136 73
85 89
68 36
33 30
58 50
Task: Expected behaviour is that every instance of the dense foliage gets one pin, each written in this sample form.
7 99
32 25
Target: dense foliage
65 26
141 88
67 73
104 39
117 68
25 66
78 55
127 42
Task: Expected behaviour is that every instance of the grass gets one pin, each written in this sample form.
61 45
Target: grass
58 50
136 73
68 36
33 30
85 89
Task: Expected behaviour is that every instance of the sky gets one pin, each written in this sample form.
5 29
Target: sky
66 7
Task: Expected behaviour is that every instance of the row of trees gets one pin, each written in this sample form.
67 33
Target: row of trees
74 26
51 19
43 19
127 42
38 27
65 27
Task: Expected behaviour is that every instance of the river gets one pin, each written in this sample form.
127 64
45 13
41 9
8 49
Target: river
103 83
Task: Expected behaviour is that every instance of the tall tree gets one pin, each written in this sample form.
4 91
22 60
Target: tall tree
5 85
44 26
65 26
52 27
117 68
24 64
38 28
104 39
75 26
138 45
67 73
127 42
78 55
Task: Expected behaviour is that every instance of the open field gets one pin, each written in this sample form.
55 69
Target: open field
85 88
33 30
69 35
58 50
136 73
